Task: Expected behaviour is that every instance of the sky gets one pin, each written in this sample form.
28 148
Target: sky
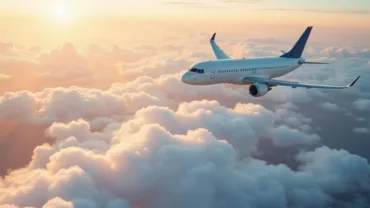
93 112
55 22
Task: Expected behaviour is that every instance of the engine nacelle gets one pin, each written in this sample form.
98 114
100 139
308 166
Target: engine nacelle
258 90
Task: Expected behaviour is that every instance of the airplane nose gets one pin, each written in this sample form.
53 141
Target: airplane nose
185 77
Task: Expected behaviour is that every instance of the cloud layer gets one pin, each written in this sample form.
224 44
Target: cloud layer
73 139
152 167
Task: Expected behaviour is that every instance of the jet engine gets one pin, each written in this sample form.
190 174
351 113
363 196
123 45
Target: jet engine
258 90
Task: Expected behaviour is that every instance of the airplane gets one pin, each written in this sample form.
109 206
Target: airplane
258 73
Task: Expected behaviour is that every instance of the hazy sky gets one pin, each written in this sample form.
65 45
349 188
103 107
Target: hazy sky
56 22
120 5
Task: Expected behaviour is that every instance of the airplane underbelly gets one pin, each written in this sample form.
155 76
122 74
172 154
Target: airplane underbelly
280 72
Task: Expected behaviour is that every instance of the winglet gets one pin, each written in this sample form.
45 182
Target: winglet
220 54
213 37
354 82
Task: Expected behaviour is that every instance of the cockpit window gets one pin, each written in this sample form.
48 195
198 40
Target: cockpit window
199 71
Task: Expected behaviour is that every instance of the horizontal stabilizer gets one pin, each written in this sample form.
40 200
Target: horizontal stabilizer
312 62
283 52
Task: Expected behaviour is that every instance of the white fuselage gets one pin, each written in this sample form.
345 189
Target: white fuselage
233 71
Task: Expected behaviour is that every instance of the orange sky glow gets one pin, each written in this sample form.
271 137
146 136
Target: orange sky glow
52 23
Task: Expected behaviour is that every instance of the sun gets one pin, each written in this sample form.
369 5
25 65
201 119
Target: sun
61 13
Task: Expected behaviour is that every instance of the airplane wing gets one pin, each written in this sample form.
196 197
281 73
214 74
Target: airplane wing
220 54
273 82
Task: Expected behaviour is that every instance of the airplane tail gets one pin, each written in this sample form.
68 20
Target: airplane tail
297 50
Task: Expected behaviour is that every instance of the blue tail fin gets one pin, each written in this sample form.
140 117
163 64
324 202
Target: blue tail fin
297 50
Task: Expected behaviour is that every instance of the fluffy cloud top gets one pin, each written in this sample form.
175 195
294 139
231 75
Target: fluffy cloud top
151 167
151 141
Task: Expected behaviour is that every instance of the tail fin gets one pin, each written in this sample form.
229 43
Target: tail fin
297 50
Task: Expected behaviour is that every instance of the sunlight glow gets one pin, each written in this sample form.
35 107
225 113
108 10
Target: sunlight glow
61 13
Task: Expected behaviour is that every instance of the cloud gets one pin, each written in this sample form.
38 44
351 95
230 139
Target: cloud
248 122
3 76
60 104
335 11
361 130
148 140
26 114
105 110
58 203
362 104
18 105
324 164
330 106
283 135
93 66
152 167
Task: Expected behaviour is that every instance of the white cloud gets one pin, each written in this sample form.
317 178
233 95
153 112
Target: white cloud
284 135
58 203
327 166
247 122
330 106
156 142
361 130
362 104
152 167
